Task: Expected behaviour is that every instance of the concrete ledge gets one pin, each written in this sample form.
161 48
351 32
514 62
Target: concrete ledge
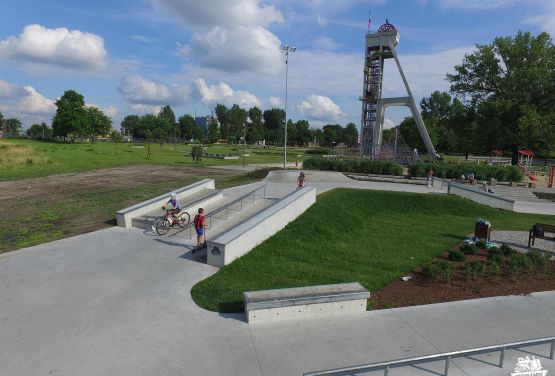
242 238
124 216
301 302
481 197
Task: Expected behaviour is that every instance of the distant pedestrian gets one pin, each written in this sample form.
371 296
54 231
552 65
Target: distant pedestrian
200 227
429 178
300 181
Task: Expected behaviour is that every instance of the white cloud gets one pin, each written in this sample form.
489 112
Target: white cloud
143 39
25 103
145 109
138 90
274 101
545 20
110 111
223 93
35 103
55 47
471 5
388 123
9 90
229 35
326 43
319 107
321 20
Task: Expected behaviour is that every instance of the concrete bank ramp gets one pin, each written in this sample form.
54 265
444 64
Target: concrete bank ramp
282 176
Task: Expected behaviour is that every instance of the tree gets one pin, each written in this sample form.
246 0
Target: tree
223 119
291 133
116 138
197 153
213 134
39 131
237 118
273 121
14 127
172 128
350 135
256 130
131 125
333 133
511 82
187 125
304 135
99 124
71 117
167 113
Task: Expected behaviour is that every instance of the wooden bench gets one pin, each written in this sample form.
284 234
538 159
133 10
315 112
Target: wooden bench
300 302
546 229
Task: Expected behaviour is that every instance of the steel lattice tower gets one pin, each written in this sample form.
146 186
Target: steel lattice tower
380 46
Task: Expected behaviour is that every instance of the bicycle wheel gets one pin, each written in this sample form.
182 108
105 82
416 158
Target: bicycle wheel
163 226
183 219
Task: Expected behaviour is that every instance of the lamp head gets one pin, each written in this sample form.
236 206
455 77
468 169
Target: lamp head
293 49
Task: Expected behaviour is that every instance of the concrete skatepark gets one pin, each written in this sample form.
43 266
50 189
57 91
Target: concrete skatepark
117 302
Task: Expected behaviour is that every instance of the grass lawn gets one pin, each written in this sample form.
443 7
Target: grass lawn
372 237
34 158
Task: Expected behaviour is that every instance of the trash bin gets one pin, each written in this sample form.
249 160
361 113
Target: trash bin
482 231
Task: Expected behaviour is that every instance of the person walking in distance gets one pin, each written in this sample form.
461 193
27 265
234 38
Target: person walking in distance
200 227
300 181
429 178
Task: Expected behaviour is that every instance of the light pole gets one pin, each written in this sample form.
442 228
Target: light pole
286 48
247 120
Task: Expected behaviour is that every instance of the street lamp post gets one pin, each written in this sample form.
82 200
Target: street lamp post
286 48
247 120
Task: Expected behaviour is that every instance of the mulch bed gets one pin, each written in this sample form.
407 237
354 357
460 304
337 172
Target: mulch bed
421 290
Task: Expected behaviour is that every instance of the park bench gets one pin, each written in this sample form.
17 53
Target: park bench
301 302
539 231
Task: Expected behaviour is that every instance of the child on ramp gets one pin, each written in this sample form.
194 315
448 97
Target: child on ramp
300 181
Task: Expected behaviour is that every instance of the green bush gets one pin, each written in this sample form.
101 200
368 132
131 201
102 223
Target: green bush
495 257
507 250
455 171
481 244
472 269
539 260
493 269
321 151
455 255
469 249
363 166
431 271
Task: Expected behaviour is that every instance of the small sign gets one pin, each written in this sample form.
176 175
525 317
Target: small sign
216 251
529 366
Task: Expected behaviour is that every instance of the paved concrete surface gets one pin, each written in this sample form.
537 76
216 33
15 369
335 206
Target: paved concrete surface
117 302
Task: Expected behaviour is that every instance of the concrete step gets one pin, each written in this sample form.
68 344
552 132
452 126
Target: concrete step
146 220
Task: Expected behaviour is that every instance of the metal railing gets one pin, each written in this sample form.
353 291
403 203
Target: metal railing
386 366
227 207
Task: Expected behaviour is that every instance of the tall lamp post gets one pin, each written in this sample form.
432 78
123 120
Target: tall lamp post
247 120
286 48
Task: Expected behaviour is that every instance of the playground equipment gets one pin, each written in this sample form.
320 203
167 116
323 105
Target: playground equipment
551 176
380 46
525 158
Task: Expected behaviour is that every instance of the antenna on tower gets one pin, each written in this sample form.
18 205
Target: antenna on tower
369 19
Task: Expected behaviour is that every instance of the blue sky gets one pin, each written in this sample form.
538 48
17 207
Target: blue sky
130 57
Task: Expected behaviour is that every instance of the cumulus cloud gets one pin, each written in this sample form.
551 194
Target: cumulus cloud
58 47
229 35
274 101
545 20
25 103
35 103
223 93
319 107
140 91
388 123
326 43
110 111
145 109
10 91
473 4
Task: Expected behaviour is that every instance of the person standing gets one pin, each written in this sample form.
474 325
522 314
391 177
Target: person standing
200 227
300 181
429 178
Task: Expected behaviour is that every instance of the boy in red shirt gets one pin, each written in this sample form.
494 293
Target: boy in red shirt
200 227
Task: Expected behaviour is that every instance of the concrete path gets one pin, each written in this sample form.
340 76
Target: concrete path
117 302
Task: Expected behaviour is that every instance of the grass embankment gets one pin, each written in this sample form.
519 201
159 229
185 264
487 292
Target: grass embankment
372 237
41 219
21 158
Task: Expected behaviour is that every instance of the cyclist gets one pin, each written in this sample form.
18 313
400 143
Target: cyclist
175 207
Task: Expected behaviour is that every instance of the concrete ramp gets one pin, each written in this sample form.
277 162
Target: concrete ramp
283 176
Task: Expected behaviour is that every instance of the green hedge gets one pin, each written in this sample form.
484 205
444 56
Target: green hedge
455 171
363 166
320 151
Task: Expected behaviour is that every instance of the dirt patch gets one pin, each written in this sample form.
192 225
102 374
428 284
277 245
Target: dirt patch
59 206
420 289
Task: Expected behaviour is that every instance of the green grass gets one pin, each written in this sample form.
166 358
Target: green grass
47 158
373 237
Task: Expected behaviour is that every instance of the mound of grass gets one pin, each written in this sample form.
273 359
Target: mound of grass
371 237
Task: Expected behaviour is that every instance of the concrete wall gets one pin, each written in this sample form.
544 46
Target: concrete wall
481 197
247 235
124 216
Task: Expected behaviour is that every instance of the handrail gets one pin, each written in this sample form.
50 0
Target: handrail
227 206
386 366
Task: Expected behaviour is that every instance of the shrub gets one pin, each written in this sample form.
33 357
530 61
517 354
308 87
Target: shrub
455 255
495 257
474 268
481 244
455 170
515 262
447 272
493 269
469 249
431 271
321 151
539 261
363 166
506 250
